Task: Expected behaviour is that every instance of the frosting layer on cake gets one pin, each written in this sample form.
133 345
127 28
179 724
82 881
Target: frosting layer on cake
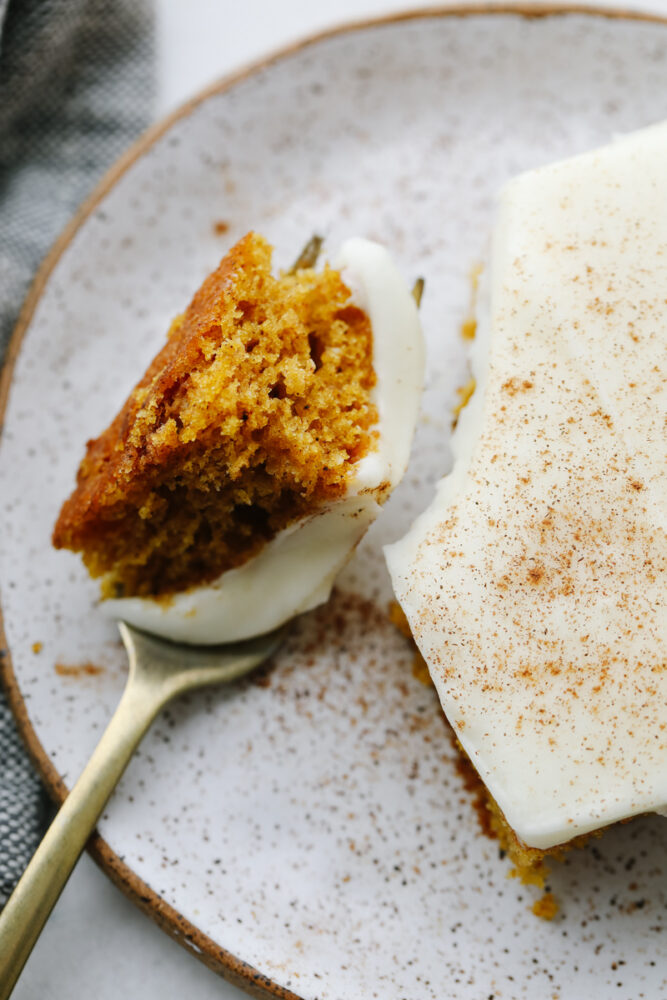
535 582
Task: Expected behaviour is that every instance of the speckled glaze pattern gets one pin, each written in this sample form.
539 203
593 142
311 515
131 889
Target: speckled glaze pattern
311 821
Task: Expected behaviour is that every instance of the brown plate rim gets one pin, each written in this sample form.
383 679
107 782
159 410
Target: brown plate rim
218 959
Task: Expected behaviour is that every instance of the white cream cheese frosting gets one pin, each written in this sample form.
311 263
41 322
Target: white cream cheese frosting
295 571
535 582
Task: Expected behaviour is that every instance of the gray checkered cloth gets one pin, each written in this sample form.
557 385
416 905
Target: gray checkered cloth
76 86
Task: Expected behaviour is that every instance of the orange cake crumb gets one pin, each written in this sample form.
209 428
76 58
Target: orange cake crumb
419 667
469 324
78 670
398 619
252 414
469 329
465 393
546 907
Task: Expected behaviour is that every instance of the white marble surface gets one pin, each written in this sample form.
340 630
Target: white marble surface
97 943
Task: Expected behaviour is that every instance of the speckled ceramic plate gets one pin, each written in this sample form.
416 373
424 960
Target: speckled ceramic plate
307 833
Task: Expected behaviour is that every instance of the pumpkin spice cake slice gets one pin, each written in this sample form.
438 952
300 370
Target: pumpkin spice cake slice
534 584
262 439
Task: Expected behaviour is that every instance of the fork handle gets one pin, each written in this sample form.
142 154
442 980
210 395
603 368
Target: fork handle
37 892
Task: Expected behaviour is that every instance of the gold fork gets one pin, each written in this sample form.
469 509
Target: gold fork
159 671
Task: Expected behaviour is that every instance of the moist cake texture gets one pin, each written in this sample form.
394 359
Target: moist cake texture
535 582
253 412
251 458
